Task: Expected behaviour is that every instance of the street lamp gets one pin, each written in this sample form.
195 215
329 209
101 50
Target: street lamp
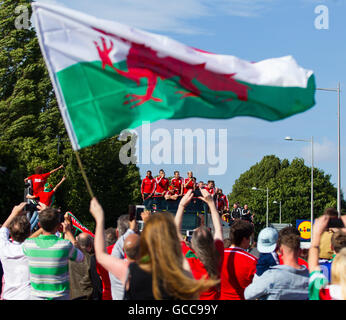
337 90
267 213
312 174
280 208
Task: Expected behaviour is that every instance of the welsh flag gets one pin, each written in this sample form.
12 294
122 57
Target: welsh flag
109 77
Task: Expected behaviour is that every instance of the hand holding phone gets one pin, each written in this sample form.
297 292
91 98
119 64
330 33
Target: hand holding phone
132 212
335 223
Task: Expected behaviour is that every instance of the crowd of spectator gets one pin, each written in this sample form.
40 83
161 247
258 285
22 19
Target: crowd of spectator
54 262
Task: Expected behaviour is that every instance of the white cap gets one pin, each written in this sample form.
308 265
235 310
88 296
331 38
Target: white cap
267 240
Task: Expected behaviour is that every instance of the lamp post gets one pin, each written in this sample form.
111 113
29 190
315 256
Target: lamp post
339 170
312 175
279 210
267 213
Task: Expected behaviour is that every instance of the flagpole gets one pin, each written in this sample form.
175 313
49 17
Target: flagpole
84 175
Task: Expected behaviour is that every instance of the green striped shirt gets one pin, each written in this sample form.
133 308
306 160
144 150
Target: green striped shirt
48 265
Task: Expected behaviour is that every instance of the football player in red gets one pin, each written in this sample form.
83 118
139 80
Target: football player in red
177 183
39 179
148 188
189 182
162 184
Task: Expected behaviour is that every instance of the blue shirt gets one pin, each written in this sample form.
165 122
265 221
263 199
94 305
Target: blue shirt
280 282
265 261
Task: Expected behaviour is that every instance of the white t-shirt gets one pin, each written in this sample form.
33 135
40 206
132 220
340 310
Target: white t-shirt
16 278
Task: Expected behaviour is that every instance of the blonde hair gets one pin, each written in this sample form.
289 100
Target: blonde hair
339 271
161 249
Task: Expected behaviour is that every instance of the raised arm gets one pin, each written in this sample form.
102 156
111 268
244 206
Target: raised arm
185 200
56 169
67 230
59 184
118 267
16 211
319 227
206 197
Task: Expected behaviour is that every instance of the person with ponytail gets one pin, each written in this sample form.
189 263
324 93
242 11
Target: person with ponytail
205 254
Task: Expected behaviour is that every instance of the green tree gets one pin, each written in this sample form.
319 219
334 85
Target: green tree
287 182
32 132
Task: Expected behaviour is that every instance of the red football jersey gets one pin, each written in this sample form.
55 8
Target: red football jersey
46 197
161 185
190 185
238 270
301 261
198 269
103 273
177 183
148 185
38 181
222 202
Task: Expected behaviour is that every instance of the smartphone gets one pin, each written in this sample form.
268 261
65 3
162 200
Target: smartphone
139 210
335 223
132 212
197 193
189 233
61 217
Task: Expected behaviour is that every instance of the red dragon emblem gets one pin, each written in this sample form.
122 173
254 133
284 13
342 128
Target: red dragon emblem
143 62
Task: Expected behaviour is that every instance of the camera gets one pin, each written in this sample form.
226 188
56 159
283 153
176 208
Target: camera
139 210
61 217
189 235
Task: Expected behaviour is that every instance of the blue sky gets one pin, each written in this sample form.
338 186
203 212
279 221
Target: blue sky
252 30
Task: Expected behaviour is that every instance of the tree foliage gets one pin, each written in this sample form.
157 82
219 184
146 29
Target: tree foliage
287 182
32 133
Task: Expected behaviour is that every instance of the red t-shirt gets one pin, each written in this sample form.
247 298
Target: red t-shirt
238 270
198 270
161 185
148 185
104 275
301 262
176 183
190 185
46 197
38 181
